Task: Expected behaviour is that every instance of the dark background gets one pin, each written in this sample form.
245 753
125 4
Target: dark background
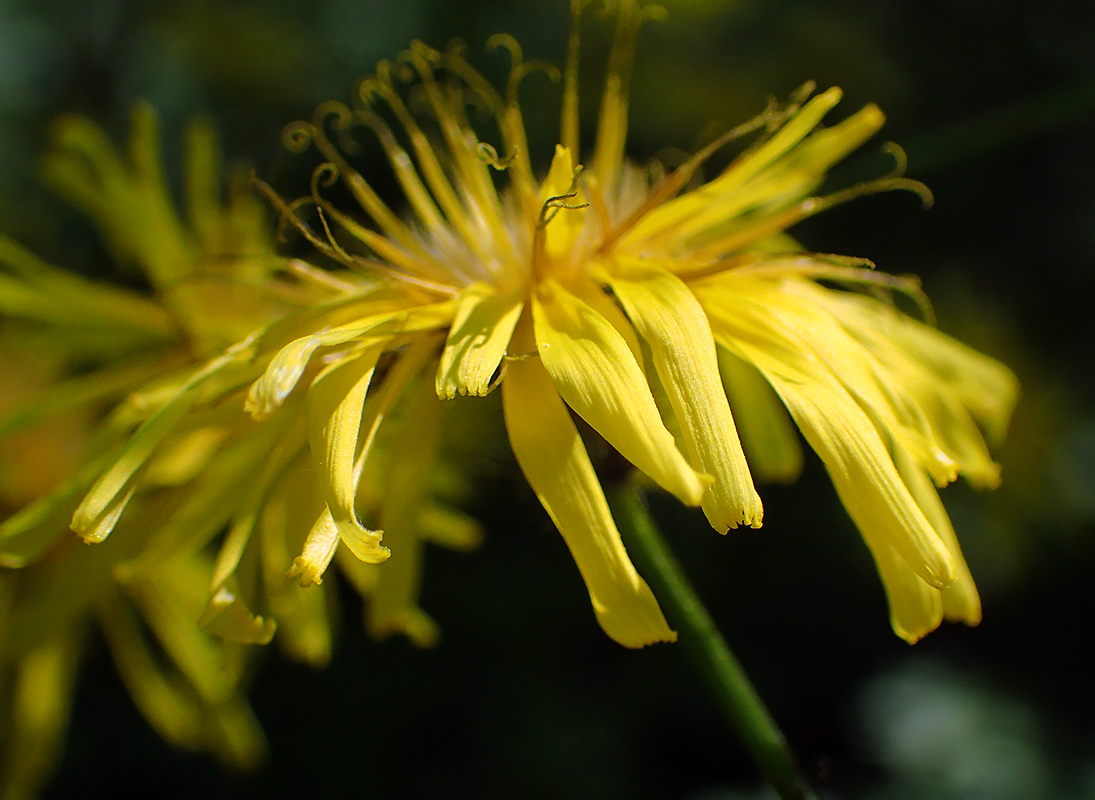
995 106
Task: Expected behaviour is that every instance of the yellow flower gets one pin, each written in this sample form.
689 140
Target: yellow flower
627 299
85 345
604 290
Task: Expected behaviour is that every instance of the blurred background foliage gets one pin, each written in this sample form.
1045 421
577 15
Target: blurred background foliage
995 105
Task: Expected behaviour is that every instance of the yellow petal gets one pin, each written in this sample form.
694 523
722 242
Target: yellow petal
668 317
554 460
847 440
98 513
949 382
281 376
985 386
228 617
477 341
961 602
319 548
336 402
916 609
597 375
798 309
590 292
287 366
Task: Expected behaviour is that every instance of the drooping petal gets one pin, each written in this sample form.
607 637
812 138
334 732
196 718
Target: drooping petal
669 318
323 538
228 617
796 309
950 383
99 511
861 469
336 401
916 609
596 374
477 341
984 386
961 602
554 460
843 435
320 546
288 365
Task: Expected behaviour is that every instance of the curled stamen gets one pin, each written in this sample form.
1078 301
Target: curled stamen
901 160
340 112
323 177
488 155
519 68
287 214
508 42
433 56
553 205
340 117
522 71
369 89
401 68
887 184
297 136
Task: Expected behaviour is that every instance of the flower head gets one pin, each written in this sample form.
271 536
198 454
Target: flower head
639 304
638 300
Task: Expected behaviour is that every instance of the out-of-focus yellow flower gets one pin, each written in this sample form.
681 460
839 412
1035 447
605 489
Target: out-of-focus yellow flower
89 345
176 619
612 292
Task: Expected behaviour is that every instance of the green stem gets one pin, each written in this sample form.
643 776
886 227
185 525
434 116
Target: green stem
705 646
